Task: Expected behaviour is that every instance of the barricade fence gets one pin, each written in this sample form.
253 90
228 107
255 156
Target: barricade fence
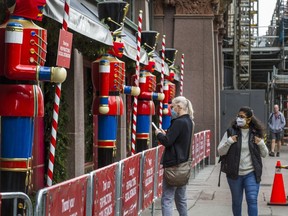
127 187
15 196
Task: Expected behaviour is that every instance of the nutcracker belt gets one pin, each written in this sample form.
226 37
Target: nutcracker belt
15 164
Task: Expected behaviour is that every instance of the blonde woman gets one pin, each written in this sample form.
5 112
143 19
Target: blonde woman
177 142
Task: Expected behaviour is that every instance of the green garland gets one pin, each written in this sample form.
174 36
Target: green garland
62 145
2 12
88 118
91 49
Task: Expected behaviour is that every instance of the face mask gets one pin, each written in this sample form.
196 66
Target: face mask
174 114
241 122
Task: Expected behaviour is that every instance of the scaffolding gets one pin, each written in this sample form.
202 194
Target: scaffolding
259 62
278 87
279 28
245 34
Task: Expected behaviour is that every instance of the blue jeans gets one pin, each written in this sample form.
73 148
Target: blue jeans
168 195
251 187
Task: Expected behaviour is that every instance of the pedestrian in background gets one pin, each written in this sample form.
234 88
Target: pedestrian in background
243 146
177 141
276 123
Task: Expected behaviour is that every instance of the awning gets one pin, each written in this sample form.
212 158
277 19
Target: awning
130 48
83 18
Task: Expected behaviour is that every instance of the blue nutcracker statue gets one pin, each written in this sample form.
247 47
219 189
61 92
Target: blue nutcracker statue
23 47
169 87
147 84
108 77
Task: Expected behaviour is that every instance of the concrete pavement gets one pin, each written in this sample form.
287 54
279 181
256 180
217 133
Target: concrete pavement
207 199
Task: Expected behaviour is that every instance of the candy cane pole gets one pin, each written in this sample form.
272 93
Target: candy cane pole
53 139
135 102
162 79
182 75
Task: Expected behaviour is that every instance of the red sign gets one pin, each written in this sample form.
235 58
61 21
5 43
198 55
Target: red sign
64 49
148 178
104 191
202 146
67 198
193 152
130 185
207 142
197 148
160 170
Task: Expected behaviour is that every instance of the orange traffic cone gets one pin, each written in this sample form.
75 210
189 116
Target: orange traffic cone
278 196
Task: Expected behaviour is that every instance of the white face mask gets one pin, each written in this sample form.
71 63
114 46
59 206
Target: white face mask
241 122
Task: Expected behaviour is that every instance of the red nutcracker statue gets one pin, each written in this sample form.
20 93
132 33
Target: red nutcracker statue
22 58
147 84
169 88
108 77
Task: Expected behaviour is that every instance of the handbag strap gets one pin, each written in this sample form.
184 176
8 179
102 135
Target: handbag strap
191 138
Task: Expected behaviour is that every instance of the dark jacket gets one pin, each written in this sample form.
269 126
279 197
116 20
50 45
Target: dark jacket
230 163
177 141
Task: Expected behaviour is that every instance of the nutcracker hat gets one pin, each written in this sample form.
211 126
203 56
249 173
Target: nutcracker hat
30 9
170 55
113 14
149 40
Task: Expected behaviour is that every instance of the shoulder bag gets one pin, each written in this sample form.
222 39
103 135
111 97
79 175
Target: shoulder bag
179 174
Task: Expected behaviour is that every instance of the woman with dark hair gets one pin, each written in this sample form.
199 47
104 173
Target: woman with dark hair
242 147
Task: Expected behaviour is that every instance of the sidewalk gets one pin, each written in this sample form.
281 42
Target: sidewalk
207 199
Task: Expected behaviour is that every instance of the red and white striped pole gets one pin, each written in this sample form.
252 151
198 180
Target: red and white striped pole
135 102
162 79
182 75
53 139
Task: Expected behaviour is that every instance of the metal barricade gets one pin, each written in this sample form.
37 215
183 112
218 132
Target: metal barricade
66 198
127 187
15 196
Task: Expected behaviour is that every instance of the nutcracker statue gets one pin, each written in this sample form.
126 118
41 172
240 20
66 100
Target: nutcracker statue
23 47
108 77
169 88
147 84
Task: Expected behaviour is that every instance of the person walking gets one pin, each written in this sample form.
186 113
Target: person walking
242 147
177 141
276 123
